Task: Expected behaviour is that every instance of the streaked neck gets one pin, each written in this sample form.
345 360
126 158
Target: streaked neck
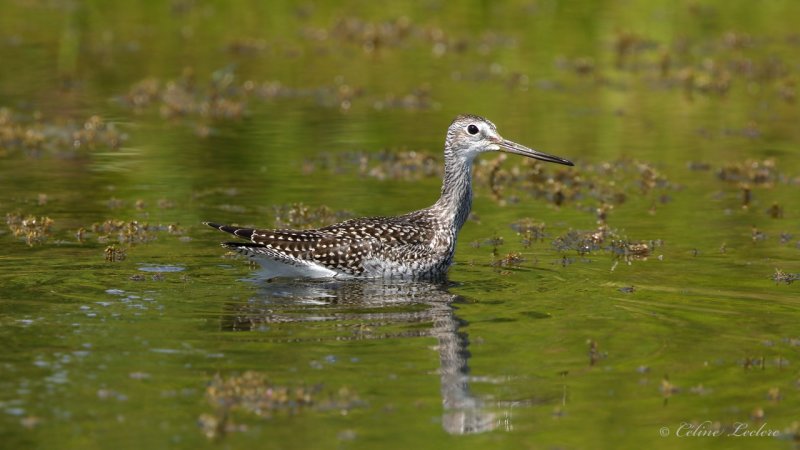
456 200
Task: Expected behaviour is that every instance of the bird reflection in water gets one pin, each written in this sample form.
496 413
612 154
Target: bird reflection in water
364 302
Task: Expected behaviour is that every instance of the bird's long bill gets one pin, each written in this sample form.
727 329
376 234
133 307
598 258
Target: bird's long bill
513 147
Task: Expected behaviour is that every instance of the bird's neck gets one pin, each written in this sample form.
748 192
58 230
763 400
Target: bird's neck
456 200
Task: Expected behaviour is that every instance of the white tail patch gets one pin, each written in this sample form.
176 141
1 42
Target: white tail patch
271 268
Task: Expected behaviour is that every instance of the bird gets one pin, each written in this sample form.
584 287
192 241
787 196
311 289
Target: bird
418 245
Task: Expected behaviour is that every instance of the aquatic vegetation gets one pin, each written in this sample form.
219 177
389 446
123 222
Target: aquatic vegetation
698 166
115 254
605 239
667 388
336 95
224 97
246 46
495 241
34 134
630 250
34 230
776 211
774 394
373 37
783 277
757 235
712 67
370 36
128 232
583 242
683 110
125 231
416 100
511 259
751 172
299 216
217 190
607 183
595 355
142 94
386 164
221 98
252 393
529 231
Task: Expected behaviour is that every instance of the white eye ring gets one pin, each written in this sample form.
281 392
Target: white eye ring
472 129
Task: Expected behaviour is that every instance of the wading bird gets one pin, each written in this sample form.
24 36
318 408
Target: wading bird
417 245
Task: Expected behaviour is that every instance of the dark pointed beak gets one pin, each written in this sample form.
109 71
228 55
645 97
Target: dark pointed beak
513 147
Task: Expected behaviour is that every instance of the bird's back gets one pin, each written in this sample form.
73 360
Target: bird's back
410 246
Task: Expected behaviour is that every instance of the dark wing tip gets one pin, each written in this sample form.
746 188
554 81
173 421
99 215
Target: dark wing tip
235 245
246 233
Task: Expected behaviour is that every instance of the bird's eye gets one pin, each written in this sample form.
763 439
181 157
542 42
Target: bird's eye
472 129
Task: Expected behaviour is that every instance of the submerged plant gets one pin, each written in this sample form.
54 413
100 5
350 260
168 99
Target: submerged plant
128 232
299 215
605 239
386 164
783 277
115 254
529 231
34 230
34 134
762 173
252 393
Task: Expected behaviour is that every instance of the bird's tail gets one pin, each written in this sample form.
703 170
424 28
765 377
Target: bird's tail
246 233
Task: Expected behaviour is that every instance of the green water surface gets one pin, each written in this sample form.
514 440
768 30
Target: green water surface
125 125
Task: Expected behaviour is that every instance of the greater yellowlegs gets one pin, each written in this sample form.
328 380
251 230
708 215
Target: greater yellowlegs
416 245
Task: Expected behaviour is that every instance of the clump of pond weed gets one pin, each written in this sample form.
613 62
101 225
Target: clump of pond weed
225 97
34 134
784 277
115 254
604 239
387 35
33 229
251 393
386 164
299 215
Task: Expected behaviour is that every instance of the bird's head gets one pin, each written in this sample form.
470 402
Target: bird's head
469 136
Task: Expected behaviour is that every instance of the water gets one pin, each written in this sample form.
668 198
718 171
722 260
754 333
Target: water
598 306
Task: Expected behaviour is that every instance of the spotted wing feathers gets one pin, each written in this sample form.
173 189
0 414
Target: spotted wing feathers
301 247
344 247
